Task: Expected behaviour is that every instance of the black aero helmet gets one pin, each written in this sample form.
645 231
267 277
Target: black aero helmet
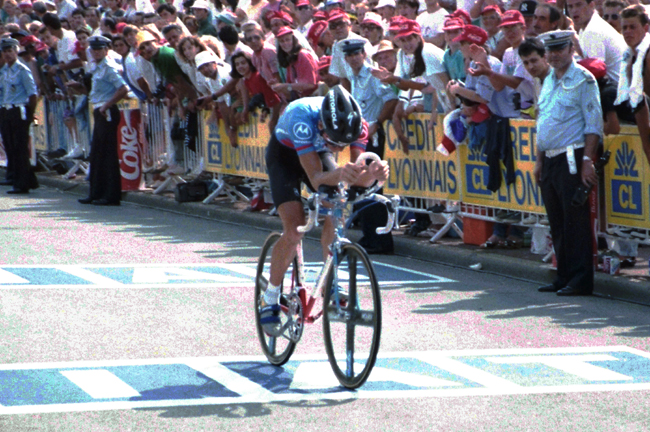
341 116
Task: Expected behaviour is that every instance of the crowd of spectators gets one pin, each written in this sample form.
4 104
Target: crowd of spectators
237 57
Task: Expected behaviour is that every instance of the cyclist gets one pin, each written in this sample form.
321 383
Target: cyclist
301 149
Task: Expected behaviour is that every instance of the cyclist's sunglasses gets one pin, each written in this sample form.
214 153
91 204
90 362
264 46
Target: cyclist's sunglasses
336 143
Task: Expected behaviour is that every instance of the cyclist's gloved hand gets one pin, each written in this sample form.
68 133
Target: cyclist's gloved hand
350 173
379 170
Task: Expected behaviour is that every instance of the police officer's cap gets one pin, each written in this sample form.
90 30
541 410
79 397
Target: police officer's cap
8 43
557 39
352 46
98 42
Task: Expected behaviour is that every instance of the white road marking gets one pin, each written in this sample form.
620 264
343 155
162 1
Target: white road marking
9 278
229 379
92 277
100 384
166 275
577 365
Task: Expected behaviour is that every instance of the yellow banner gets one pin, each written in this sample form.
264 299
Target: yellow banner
424 172
247 160
627 176
524 195
39 128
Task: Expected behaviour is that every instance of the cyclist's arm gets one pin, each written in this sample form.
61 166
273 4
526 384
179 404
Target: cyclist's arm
350 173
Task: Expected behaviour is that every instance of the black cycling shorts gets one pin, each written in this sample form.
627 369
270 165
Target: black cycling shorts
286 172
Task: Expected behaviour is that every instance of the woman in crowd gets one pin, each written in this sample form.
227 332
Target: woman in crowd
419 68
252 83
301 66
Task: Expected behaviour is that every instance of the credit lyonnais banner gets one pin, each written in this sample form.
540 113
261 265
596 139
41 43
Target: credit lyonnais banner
423 173
523 195
247 159
627 180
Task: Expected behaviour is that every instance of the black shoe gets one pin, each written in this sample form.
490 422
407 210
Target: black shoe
6 183
85 200
569 291
378 251
549 288
18 191
105 202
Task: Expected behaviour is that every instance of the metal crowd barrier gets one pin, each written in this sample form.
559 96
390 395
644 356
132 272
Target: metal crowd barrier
424 177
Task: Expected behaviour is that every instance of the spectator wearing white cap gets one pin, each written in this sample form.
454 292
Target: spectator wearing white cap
201 10
431 22
373 28
386 8
596 38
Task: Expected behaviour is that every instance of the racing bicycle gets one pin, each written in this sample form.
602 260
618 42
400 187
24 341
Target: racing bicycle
345 293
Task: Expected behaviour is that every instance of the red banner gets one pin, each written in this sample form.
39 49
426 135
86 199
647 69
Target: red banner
129 140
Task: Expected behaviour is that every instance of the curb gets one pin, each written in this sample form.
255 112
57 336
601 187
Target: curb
633 290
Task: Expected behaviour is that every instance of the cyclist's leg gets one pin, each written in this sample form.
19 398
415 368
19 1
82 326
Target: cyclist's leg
292 216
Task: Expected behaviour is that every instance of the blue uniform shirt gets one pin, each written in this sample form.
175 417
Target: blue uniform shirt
370 93
106 81
569 109
297 128
17 84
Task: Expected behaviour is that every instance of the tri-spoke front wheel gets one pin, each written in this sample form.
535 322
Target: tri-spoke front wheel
352 322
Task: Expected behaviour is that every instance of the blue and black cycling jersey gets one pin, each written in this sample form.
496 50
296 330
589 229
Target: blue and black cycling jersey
298 129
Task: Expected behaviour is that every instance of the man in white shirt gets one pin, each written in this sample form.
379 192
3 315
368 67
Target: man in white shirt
68 60
596 37
304 12
339 25
431 23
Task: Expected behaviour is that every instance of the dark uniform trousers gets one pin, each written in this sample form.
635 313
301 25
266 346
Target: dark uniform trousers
570 225
15 137
373 215
105 177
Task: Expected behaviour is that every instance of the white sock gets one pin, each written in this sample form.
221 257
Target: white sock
272 294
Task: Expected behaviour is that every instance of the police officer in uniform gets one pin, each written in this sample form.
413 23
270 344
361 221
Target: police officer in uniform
19 97
569 128
107 89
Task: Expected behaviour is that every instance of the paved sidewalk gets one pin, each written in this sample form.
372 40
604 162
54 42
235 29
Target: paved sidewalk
631 285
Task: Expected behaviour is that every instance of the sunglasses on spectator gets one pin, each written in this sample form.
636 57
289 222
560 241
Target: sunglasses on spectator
303 8
253 38
321 45
336 25
613 17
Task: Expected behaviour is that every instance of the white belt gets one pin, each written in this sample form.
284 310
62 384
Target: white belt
556 152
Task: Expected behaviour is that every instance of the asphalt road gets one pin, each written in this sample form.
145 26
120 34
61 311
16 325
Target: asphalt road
126 318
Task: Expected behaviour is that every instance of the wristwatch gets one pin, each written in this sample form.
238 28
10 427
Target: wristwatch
289 88
587 158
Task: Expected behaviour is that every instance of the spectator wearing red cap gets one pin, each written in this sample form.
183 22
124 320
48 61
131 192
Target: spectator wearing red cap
320 38
453 59
490 20
270 6
431 21
301 67
340 25
282 19
419 67
325 76
304 13
477 88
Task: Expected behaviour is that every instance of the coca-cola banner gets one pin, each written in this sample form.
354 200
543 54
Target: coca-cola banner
129 143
